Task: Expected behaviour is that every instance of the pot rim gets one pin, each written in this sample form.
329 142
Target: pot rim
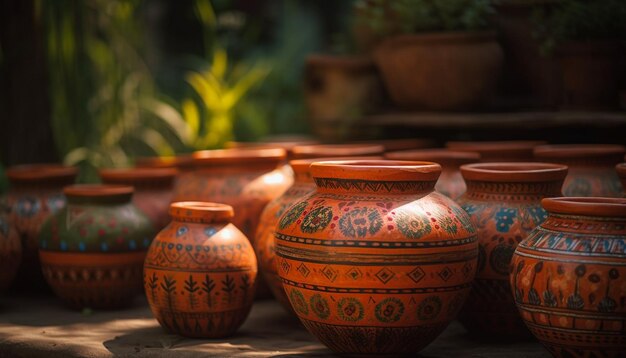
97 190
587 206
494 146
124 175
239 156
514 172
573 151
336 150
172 161
432 155
439 37
377 170
304 165
40 172
201 211
399 144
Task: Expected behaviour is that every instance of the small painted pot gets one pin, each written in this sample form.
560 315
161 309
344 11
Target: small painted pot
153 189
10 252
567 278
375 261
621 172
591 167
92 250
36 193
200 272
504 203
499 151
336 150
450 181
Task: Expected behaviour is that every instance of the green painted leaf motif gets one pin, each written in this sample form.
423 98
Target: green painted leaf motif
360 221
413 226
292 215
317 219
389 310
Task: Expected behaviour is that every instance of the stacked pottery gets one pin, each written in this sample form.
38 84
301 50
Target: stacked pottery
591 167
450 181
92 251
621 172
36 193
336 150
504 203
499 151
376 262
153 189
200 272
567 278
10 252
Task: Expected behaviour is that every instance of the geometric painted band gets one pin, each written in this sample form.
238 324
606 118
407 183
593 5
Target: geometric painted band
378 290
590 315
576 260
376 244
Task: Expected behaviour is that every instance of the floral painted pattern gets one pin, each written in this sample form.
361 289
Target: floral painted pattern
361 221
317 219
504 218
413 226
292 215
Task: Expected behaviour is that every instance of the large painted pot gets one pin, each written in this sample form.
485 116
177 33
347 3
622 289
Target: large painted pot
568 277
92 250
36 193
621 172
504 203
591 167
450 181
376 262
200 272
336 150
499 151
153 189
10 252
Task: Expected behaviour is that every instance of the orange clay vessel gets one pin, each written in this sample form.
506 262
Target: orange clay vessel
504 203
200 272
10 252
376 262
336 150
621 172
568 277
498 151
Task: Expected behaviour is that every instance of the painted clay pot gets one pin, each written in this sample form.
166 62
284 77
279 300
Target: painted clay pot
621 172
36 193
375 261
504 203
10 252
92 250
200 272
567 277
183 163
591 167
153 189
450 181
499 151
246 179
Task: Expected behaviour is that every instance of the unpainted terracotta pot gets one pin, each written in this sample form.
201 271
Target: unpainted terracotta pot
200 272
153 189
450 181
621 172
499 151
440 71
567 277
336 150
375 261
591 167
503 201
92 251
35 194
10 252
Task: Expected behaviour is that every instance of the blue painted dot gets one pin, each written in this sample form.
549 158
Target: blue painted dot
104 246
82 246
170 246
179 247
63 245
209 231
181 231
189 247
132 245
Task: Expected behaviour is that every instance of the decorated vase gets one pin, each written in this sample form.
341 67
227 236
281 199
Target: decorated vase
336 150
375 262
568 277
35 194
498 151
591 167
153 189
503 201
10 252
450 181
92 251
200 272
621 172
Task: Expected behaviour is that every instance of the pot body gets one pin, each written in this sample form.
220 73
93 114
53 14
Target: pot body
200 275
374 264
568 281
10 252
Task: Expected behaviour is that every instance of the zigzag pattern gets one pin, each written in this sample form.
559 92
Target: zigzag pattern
375 186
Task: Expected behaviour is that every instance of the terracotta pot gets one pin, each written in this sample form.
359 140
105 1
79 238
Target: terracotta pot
200 272
10 252
621 172
375 261
393 145
336 150
499 151
440 71
287 143
504 203
246 179
153 189
36 193
568 278
92 250
450 181
591 167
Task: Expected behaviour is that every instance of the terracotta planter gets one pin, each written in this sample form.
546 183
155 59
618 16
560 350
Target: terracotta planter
10 252
440 71
36 193
499 151
621 172
200 272
568 278
153 189
336 150
92 250
591 167
375 261
504 203
450 181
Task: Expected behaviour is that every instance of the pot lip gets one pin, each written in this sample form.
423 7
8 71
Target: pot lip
621 170
239 156
304 165
137 174
97 190
574 151
201 210
40 171
376 170
336 150
514 172
286 145
439 37
494 146
588 206
172 161
355 62
432 155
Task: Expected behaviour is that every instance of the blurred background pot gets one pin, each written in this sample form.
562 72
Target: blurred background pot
498 151
337 150
10 252
621 172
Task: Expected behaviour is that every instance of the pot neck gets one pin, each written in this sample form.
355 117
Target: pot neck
586 215
201 212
